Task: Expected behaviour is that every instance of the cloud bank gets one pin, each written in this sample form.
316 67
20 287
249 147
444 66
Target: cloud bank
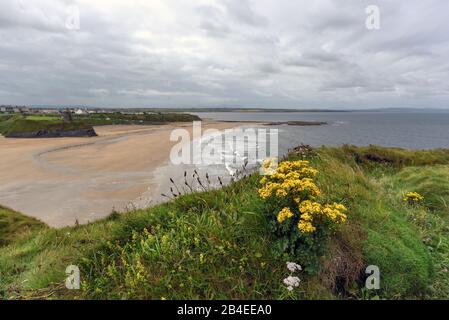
264 53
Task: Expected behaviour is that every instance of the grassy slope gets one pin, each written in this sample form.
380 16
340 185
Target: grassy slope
18 124
26 125
217 244
432 220
150 118
388 239
14 226
5 122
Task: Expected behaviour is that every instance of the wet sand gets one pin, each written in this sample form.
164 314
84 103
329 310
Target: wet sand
64 180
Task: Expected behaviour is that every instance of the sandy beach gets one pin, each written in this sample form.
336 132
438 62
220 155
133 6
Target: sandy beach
65 180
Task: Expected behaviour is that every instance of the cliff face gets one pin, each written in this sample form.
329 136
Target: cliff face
90 132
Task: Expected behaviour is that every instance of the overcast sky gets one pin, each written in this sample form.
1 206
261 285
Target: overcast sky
198 53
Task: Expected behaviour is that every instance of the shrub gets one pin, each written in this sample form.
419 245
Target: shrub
302 224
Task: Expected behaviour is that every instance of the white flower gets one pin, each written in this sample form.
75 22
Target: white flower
290 288
292 282
293 267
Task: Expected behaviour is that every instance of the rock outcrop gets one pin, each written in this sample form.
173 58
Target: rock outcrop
88 132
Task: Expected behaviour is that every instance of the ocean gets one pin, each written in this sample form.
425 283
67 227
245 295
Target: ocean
415 130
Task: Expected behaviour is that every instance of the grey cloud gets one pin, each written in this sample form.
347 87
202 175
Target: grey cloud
213 21
48 17
215 30
224 52
242 11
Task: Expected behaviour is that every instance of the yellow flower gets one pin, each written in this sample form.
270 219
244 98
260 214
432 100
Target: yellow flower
281 193
309 210
284 214
306 227
294 181
413 197
336 212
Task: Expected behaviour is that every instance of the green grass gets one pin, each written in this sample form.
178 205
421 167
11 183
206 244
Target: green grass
388 239
146 118
218 244
44 118
14 226
25 125
21 124
431 182
431 218
13 124
5 121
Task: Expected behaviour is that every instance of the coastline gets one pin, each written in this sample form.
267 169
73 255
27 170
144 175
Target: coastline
66 181
278 123
235 216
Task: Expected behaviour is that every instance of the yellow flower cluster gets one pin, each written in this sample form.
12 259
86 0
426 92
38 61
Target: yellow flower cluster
295 179
311 211
284 214
291 177
413 197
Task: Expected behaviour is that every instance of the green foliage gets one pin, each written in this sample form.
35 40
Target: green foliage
24 125
431 218
53 118
431 182
220 244
388 239
301 225
202 246
373 156
6 120
145 118
12 124
307 249
14 226
396 247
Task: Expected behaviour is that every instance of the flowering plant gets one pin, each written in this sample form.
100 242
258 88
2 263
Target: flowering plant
292 281
413 198
302 223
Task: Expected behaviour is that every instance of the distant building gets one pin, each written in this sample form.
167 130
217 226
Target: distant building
8 109
22 109
80 112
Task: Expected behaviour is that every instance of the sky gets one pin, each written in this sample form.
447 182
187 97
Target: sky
329 54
